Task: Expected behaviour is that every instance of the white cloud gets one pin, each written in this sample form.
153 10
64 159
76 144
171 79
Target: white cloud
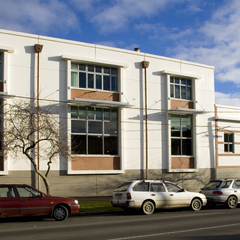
37 16
227 99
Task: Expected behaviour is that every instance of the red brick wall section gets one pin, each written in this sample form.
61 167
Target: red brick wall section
96 95
182 162
95 163
181 104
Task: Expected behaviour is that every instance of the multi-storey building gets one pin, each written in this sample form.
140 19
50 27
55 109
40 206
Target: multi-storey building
128 114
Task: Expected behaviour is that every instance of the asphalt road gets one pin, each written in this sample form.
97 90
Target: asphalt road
219 223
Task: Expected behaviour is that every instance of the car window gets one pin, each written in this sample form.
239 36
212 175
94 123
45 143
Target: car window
172 188
236 184
212 185
157 187
7 192
123 187
25 191
226 184
142 187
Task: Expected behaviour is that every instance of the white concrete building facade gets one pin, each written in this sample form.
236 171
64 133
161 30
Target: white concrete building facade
128 114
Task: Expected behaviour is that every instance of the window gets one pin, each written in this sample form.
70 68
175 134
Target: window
25 191
157 187
1 66
236 184
94 130
94 77
141 187
180 88
172 188
181 134
7 191
229 142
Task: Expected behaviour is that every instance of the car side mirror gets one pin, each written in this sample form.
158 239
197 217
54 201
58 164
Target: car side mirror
182 190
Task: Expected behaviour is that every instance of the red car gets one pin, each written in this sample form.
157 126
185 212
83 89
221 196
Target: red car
18 200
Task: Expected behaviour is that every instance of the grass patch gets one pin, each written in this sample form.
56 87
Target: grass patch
96 206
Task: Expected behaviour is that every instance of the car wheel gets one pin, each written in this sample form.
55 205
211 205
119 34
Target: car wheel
232 202
148 207
60 213
196 204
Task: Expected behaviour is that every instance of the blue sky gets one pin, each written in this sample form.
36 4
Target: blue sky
203 31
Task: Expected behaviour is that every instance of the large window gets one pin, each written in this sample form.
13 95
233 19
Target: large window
181 134
1 66
229 142
181 88
94 77
94 130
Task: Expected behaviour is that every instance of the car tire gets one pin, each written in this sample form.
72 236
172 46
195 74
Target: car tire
196 204
60 213
232 202
148 207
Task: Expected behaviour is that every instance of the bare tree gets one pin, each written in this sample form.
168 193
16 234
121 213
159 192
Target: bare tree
36 133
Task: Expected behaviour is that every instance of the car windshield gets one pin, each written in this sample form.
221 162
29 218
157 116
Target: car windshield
123 187
212 185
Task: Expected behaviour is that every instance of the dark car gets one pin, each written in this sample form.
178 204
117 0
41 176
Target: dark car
18 200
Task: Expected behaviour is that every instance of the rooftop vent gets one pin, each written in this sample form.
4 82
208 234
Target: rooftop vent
137 49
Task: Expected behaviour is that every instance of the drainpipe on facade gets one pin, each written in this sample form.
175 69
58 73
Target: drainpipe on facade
145 65
38 49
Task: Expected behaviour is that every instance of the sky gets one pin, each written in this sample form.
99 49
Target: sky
202 31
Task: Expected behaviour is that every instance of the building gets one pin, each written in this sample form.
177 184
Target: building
136 115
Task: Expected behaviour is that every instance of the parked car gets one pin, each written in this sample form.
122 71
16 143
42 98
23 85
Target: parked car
18 200
149 195
224 191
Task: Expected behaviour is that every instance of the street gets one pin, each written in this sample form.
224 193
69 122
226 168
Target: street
215 223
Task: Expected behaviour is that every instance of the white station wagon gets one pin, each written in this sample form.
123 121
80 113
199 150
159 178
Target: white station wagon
149 195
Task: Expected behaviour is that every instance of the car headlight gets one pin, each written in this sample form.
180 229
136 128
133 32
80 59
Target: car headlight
76 201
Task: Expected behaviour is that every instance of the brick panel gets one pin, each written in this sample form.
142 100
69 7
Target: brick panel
181 104
182 162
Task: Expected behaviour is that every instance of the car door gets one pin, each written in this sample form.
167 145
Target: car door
159 195
177 196
9 202
32 202
236 188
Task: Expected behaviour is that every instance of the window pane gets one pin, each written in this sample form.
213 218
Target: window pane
177 91
82 113
74 79
186 131
78 126
106 83
90 81
98 113
175 120
114 115
171 91
186 147
98 69
82 80
82 67
186 120
177 80
176 147
94 145
94 127
90 68
106 114
98 82
107 70
114 83
171 80
110 127
189 82
225 147
111 145
231 148
74 66
114 71
230 138
90 113
183 81
142 187
78 144
189 93
175 131
74 112
183 92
